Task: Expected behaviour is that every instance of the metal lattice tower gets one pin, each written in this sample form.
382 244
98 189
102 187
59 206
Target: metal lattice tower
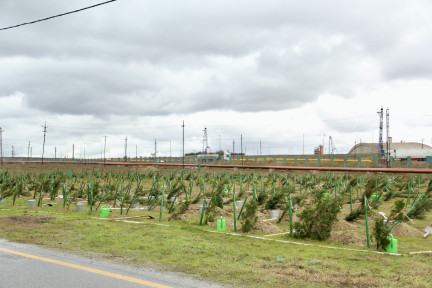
206 148
380 143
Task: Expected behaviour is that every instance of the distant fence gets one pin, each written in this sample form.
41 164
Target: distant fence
347 161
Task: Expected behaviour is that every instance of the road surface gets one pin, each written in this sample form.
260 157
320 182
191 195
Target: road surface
23 265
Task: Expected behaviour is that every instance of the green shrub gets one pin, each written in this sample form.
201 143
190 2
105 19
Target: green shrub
380 234
316 221
249 217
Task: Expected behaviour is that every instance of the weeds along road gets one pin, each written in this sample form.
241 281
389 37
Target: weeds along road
23 265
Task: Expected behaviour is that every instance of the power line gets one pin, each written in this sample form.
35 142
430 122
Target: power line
59 15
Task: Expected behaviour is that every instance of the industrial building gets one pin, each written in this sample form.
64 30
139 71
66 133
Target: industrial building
399 151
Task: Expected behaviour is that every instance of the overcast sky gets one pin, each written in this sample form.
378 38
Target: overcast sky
271 71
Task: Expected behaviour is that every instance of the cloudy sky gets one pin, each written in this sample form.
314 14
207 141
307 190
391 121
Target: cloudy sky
274 71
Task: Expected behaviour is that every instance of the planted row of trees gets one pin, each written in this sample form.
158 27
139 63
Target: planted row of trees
319 196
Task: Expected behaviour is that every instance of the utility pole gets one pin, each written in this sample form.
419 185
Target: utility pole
170 148
136 152
233 146
104 150
43 146
260 148
13 152
28 152
73 152
55 153
125 157
303 143
1 146
155 150
183 158
241 147
220 143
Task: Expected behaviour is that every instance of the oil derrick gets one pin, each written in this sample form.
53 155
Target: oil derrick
380 143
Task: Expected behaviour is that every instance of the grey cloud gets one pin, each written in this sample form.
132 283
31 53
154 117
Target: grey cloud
154 58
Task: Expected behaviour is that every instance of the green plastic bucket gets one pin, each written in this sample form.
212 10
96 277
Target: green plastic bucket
392 246
221 224
374 196
104 211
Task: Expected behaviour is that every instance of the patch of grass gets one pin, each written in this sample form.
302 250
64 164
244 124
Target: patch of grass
231 260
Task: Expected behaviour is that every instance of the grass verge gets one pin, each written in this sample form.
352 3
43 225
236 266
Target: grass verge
237 261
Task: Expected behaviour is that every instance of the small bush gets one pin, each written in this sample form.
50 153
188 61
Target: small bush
179 210
249 217
380 234
316 222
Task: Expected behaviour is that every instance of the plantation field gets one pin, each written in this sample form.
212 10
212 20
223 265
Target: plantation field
319 239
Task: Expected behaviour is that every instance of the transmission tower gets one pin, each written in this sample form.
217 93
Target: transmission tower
13 151
206 148
380 143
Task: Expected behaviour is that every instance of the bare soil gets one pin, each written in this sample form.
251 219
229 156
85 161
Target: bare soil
25 219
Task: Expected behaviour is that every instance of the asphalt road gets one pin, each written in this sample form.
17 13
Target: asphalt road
23 265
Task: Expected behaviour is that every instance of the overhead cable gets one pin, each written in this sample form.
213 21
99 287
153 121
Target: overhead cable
59 15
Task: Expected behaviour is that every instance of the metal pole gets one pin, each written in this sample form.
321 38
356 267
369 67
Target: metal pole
126 149
104 150
1 146
183 146
241 147
43 146
366 218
